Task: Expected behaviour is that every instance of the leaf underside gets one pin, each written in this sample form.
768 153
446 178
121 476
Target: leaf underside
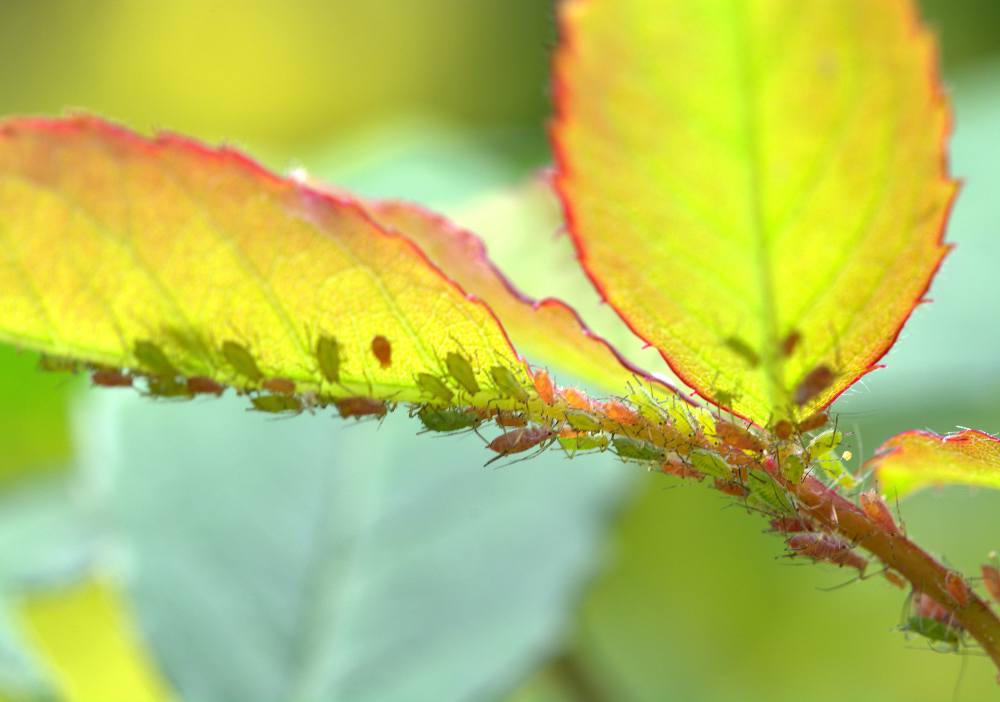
917 459
757 187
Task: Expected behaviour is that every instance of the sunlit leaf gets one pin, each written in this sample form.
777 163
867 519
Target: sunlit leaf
171 258
85 637
757 187
918 459
547 332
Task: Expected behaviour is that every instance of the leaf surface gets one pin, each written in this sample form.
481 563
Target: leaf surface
917 459
112 241
738 175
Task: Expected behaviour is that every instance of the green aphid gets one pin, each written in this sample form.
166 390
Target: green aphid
933 629
167 387
461 371
507 384
743 350
581 421
276 404
765 493
152 358
57 364
433 386
825 442
449 419
241 360
710 464
583 442
793 468
328 356
637 450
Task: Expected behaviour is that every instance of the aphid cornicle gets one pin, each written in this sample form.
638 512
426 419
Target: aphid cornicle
433 386
461 371
152 358
276 404
199 385
279 386
328 357
815 382
361 407
241 361
382 350
507 384
110 378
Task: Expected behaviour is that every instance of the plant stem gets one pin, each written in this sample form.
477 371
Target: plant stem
902 555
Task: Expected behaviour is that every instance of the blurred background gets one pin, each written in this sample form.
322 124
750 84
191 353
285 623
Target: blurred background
159 551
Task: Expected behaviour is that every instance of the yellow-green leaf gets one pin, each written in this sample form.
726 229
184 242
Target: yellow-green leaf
757 186
545 331
917 459
171 258
85 638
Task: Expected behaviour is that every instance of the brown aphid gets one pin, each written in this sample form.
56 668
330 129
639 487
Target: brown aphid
783 429
737 437
544 387
728 487
618 412
894 578
519 441
575 399
876 510
820 419
991 581
792 525
510 419
681 470
789 343
110 378
956 586
361 407
818 380
279 386
821 547
382 350
199 385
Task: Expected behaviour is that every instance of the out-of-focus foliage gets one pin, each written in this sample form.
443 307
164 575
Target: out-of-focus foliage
917 459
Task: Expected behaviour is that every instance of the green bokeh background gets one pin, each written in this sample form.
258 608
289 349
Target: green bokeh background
443 100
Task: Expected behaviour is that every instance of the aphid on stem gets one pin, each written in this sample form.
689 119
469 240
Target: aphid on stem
620 413
876 510
681 470
382 350
814 421
731 488
544 387
792 525
822 547
358 407
504 418
737 437
575 399
991 581
956 586
519 441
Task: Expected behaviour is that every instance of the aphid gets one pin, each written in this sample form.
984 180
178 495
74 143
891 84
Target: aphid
636 450
447 419
894 578
199 385
167 387
544 387
792 525
789 343
710 464
518 441
110 378
876 510
681 470
461 371
581 421
507 383
737 437
822 547
618 412
783 429
956 586
280 386
991 581
151 357
511 419
574 441
927 607
743 350
793 469
55 364
818 380
276 404
813 422
433 386
575 399
729 487
241 361
328 357
825 442
382 350
934 630
361 407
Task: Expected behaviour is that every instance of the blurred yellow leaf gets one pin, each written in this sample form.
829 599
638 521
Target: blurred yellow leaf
178 260
757 187
85 637
917 459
